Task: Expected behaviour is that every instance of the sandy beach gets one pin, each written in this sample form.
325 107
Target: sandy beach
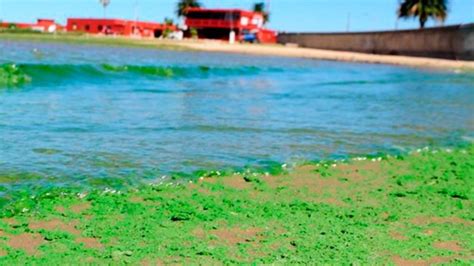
298 52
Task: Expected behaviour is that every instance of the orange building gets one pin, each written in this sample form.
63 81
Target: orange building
118 27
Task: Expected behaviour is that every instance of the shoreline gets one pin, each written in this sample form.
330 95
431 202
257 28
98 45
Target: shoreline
387 206
249 49
340 56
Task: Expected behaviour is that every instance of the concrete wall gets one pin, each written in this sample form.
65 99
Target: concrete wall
452 42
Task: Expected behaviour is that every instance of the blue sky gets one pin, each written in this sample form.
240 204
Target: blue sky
287 15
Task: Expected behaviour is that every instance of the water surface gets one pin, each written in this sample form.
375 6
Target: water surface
94 111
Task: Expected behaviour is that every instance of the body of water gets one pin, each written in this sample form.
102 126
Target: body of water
93 112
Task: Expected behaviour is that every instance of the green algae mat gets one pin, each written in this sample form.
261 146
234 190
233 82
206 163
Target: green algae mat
412 209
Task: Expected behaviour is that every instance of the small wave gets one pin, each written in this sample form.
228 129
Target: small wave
19 74
179 71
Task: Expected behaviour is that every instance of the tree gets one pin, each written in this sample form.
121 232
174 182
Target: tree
183 6
261 8
424 9
169 22
105 4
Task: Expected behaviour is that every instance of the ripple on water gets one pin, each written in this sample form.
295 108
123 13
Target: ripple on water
97 115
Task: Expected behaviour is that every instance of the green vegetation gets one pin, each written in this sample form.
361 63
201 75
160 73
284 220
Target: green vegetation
194 33
424 9
167 32
12 76
12 28
183 5
261 8
416 208
169 21
82 39
17 30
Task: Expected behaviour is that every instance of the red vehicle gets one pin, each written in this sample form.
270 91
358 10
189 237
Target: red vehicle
218 24
118 27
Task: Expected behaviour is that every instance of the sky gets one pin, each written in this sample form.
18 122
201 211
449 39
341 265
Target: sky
286 15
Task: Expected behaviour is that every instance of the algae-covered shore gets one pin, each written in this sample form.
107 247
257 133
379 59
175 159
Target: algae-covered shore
416 208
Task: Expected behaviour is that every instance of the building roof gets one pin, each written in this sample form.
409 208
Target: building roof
219 10
115 21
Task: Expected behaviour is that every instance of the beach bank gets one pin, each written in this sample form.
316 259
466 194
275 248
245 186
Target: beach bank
407 209
318 54
250 49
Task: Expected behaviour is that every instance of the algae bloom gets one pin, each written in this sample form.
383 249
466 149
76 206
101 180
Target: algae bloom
12 75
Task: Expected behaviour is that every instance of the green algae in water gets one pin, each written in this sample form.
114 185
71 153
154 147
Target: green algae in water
46 151
16 75
12 75
179 71
166 72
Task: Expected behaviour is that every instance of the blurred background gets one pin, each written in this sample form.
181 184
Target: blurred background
286 15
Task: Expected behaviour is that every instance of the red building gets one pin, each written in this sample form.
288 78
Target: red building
43 25
118 27
218 23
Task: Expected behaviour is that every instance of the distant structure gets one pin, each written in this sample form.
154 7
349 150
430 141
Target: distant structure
42 25
233 25
228 24
118 27
453 42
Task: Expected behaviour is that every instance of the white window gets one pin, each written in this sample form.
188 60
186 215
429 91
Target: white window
258 21
244 21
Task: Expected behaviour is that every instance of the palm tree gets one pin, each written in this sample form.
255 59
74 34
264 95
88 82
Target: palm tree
261 8
183 6
424 9
105 4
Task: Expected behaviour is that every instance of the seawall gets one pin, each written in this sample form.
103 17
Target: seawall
451 42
